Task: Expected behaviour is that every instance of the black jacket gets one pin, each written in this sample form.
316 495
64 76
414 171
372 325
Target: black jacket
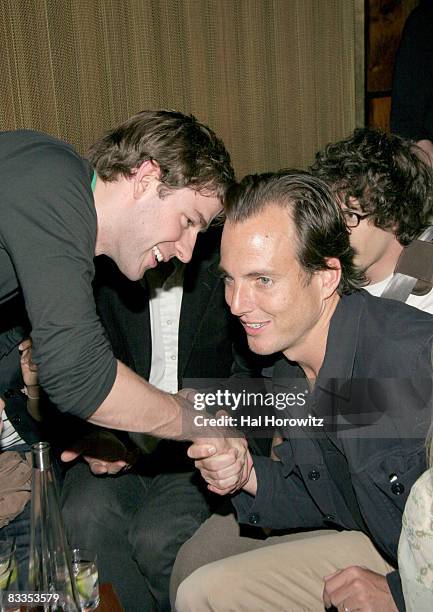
374 394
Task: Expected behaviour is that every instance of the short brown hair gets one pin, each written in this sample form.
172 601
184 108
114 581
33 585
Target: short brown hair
188 153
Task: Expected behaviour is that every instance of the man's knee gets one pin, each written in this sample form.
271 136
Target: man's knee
155 543
223 585
86 503
197 591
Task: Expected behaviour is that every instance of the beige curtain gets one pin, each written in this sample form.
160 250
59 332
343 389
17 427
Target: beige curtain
275 78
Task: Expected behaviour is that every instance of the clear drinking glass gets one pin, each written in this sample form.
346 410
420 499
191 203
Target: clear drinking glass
85 572
8 573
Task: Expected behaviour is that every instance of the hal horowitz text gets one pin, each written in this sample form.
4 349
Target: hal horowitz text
258 421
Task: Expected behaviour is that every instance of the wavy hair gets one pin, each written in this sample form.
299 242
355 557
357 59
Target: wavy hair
386 175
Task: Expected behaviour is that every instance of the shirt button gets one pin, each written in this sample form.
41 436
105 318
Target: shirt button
8 393
169 322
314 475
329 517
173 357
397 488
254 518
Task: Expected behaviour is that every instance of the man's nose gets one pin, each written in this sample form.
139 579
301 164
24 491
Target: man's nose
185 246
237 297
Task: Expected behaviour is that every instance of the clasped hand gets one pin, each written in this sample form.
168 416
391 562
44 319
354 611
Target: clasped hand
224 463
104 453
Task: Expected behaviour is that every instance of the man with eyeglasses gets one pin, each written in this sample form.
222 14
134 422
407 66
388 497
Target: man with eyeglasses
386 194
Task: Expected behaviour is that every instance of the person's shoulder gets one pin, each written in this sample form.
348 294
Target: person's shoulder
33 150
392 310
398 333
27 139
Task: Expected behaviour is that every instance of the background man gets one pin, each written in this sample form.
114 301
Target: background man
290 280
160 178
386 194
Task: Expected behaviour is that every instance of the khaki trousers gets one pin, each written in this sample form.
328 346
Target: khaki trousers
279 574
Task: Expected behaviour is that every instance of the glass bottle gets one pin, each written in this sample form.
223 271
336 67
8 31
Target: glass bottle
50 571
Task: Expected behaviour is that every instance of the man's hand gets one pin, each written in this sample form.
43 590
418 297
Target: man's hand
224 463
360 589
28 368
104 453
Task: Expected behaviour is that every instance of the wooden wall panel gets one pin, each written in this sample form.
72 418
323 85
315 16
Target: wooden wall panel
385 20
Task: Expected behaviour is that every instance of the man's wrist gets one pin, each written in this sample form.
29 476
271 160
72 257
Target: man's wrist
32 391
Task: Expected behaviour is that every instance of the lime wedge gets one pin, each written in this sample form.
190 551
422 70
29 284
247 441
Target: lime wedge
7 577
86 580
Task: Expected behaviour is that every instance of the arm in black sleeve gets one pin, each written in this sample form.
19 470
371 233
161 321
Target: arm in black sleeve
50 234
282 501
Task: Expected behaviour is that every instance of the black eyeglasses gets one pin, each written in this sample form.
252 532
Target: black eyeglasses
353 219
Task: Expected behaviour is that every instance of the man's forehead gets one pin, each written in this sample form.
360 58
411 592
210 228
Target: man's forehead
255 240
271 223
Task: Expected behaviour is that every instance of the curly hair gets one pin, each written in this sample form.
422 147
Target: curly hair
318 220
188 153
386 175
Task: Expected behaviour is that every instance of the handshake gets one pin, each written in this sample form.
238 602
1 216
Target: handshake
224 461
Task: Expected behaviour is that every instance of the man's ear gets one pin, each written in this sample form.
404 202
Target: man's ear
330 277
148 171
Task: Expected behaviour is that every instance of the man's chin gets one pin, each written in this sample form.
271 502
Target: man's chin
134 275
259 348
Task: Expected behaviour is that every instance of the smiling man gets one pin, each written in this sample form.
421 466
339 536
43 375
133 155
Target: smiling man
153 183
386 193
340 489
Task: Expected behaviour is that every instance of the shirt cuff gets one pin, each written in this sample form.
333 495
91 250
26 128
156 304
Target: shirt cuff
251 509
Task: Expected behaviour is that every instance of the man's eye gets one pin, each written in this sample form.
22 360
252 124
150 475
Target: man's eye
189 222
265 281
349 215
226 279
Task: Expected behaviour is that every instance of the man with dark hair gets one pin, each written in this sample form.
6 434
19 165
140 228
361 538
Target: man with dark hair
160 179
386 194
351 449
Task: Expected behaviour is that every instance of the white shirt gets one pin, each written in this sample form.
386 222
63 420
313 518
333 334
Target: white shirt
422 302
164 307
9 436
165 301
